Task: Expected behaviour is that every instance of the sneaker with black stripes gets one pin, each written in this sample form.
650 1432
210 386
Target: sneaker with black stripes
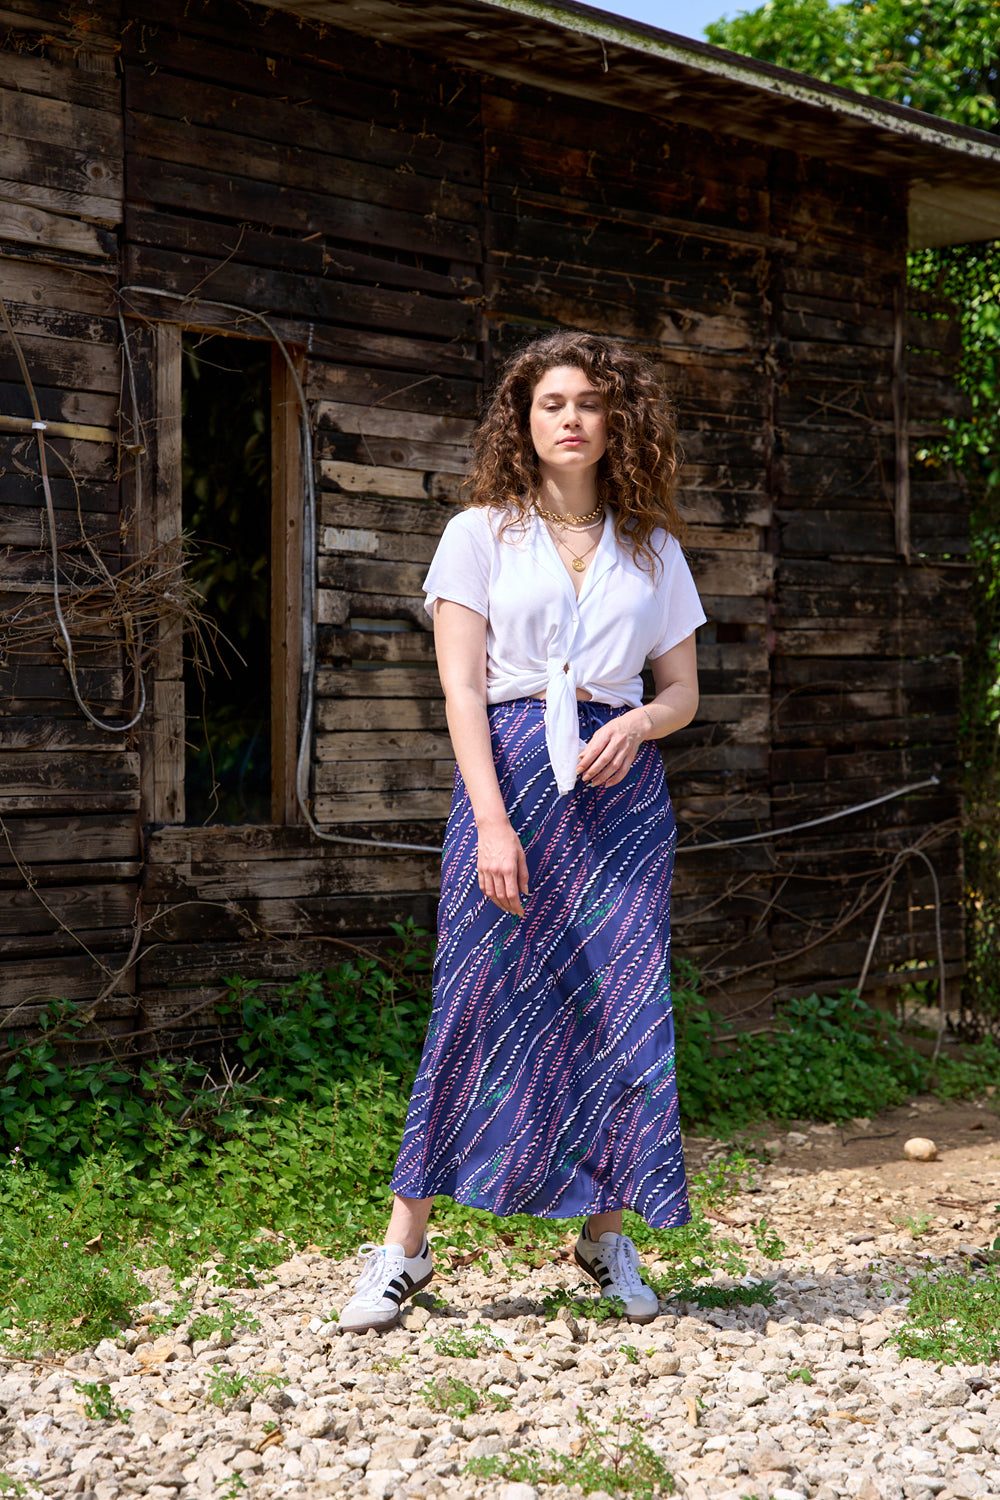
387 1278
614 1264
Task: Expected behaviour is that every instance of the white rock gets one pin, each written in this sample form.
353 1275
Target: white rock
357 1458
382 1482
520 1492
919 1148
963 1439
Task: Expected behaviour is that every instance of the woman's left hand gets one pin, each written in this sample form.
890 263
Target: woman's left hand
606 758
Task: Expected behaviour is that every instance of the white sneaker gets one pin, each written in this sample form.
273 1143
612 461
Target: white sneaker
614 1264
387 1279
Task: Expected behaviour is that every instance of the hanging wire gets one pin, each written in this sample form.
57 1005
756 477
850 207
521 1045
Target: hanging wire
38 427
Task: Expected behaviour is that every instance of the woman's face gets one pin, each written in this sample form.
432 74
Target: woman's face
567 420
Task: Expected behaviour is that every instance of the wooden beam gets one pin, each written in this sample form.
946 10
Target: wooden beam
286 583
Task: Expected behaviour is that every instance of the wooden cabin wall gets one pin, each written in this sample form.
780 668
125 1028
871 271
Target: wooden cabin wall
401 227
324 182
69 793
866 645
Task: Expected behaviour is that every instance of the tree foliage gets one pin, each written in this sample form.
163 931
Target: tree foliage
937 55
941 56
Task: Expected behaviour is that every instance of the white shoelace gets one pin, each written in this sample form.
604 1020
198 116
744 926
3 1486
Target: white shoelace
625 1265
375 1273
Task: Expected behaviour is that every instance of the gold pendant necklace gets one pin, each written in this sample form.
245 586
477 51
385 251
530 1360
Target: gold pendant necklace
579 562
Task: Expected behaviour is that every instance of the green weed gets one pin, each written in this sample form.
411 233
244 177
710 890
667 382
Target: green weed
755 1292
459 1399
833 1058
98 1403
231 1320
11 1486
952 1316
804 1374
582 1301
770 1245
615 1458
227 1386
470 1343
917 1224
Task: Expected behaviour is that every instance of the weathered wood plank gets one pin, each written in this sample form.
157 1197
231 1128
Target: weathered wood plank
234 198
83 838
349 647
376 807
78 906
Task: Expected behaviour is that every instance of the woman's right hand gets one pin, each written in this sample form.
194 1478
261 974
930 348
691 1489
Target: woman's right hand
501 865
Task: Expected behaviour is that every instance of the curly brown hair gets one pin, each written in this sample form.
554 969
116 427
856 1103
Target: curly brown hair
638 472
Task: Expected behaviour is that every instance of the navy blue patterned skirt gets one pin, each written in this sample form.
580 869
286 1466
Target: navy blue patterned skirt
547 1082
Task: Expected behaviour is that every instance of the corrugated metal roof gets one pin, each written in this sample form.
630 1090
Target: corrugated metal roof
558 45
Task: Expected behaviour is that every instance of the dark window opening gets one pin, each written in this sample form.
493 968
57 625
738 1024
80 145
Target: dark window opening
226 404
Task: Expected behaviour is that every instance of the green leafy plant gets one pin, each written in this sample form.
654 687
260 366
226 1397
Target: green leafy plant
615 1458
235 1484
460 1399
917 1224
830 1057
470 1343
804 1374
770 1245
231 1320
582 1301
227 1386
754 1292
630 1352
11 1486
951 1317
98 1403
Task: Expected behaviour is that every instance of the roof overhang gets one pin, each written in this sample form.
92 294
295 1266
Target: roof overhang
953 173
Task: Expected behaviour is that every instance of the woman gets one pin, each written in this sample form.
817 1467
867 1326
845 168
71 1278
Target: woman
547 1081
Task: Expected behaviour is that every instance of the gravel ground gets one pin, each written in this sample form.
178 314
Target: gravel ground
719 1393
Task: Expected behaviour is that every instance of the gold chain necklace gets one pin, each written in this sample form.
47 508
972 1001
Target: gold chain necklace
579 562
564 521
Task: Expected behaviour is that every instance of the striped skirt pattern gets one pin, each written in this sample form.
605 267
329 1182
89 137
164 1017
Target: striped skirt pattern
547 1082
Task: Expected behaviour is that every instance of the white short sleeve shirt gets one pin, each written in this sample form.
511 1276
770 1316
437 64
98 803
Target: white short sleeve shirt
541 637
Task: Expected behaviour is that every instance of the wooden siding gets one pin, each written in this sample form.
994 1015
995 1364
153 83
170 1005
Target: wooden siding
402 227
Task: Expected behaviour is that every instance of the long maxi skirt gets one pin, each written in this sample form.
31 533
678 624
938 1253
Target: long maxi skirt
547 1083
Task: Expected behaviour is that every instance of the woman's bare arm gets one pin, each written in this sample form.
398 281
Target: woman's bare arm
606 758
460 643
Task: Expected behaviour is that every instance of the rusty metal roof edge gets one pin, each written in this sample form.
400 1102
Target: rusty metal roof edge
868 109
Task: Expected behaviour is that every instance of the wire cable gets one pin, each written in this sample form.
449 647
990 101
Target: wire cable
38 426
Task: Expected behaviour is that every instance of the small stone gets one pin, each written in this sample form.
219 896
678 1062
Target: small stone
247 1462
316 1422
382 1482
663 1364
919 1148
414 1318
357 1458
796 1138
952 1393
528 1492
782 1493
963 1439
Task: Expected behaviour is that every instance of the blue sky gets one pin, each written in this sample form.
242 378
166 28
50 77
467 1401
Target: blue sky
685 17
